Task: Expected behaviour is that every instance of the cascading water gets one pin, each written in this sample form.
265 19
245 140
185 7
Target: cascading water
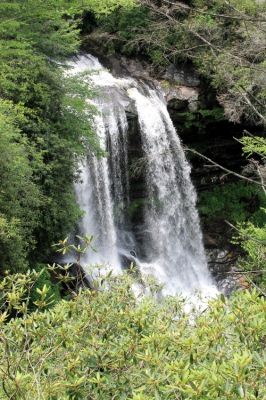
174 252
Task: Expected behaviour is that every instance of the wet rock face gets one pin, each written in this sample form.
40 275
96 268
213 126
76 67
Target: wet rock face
137 184
136 162
121 66
183 76
222 264
134 68
181 84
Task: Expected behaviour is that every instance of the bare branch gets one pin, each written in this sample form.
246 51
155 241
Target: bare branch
246 236
225 169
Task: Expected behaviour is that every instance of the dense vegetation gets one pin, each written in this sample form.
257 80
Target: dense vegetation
37 166
43 127
225 40
105 343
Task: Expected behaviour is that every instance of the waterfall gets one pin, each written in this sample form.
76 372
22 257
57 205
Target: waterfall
101 198
175 244
172 238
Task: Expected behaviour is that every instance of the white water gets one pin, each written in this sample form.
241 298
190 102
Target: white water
94 189
173 241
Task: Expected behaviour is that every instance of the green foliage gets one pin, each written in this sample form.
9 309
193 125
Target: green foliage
17 187
252 239
52 291
249 6
236 202
215 114
200 119
124 22
254 145
105 6
33 24
21 293
12 243
254 243
224 40
136 206
226 55
45 125
252 234
108 344
15 290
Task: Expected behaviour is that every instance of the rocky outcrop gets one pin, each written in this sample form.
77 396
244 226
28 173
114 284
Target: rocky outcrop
184 75
181 84
181 98
223 267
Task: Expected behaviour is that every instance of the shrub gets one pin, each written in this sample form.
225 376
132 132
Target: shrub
107 344
236 202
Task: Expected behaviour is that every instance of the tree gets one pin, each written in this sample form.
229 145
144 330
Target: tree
251 236
20 197
48 129
225 40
